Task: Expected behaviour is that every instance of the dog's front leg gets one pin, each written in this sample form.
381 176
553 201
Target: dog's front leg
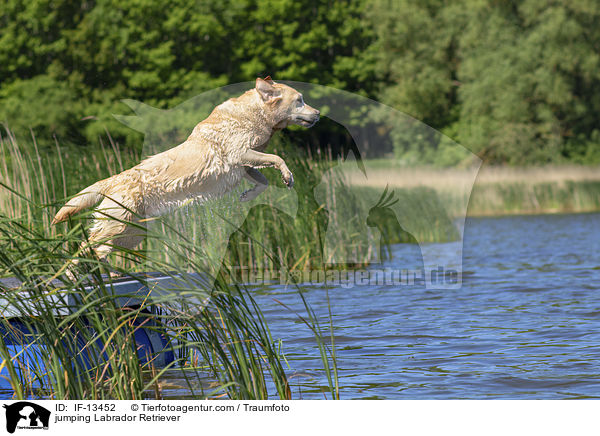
256 159
261 183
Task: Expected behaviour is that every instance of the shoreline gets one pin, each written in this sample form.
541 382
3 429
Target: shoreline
531 213
493 191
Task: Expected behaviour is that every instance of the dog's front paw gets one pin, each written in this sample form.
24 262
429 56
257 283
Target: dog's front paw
288 178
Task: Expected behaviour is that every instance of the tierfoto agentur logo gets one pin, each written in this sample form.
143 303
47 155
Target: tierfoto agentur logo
26 415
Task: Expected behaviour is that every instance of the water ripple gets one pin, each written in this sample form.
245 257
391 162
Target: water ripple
524 324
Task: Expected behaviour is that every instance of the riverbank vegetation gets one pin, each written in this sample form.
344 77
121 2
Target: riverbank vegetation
63 339
513 82
493 190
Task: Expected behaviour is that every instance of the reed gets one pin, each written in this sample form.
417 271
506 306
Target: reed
89 351
221 339
33 176
495 190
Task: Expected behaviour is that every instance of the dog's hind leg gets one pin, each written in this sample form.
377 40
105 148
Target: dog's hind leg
99 241
129 238
261 183
114 227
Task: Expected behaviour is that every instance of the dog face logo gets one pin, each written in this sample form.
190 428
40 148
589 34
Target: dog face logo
26 415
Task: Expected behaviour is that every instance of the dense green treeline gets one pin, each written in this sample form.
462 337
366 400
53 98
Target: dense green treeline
514 81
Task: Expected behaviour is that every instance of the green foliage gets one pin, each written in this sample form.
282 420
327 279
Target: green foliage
516 82
416 54
64 67
312 41
46 106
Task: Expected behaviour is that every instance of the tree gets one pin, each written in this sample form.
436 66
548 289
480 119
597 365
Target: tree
530 79
516 82
417 56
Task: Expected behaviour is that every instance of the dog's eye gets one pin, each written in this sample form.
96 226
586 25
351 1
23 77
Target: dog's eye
300 103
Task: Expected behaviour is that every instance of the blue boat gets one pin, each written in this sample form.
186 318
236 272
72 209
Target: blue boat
149 291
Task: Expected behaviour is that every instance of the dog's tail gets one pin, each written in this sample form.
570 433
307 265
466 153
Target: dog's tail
86 198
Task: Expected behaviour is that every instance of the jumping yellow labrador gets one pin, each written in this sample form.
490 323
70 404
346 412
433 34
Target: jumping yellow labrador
221 150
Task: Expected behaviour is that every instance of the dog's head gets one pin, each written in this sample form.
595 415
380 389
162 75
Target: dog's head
285 105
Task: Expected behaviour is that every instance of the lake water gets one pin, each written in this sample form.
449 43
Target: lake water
524 325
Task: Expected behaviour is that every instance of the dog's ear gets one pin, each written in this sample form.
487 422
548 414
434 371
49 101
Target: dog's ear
266 90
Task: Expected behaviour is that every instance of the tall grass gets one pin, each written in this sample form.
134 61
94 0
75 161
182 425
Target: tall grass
495 190
532 198
88 350
47 176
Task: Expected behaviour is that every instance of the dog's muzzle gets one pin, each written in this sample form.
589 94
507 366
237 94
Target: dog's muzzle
308 120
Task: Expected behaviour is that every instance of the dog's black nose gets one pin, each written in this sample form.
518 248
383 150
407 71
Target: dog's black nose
318 111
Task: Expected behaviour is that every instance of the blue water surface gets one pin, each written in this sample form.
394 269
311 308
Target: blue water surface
524 325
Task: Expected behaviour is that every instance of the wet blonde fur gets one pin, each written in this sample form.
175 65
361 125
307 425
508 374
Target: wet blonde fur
220 151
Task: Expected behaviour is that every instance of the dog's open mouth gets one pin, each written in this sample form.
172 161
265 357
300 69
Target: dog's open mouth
307 121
